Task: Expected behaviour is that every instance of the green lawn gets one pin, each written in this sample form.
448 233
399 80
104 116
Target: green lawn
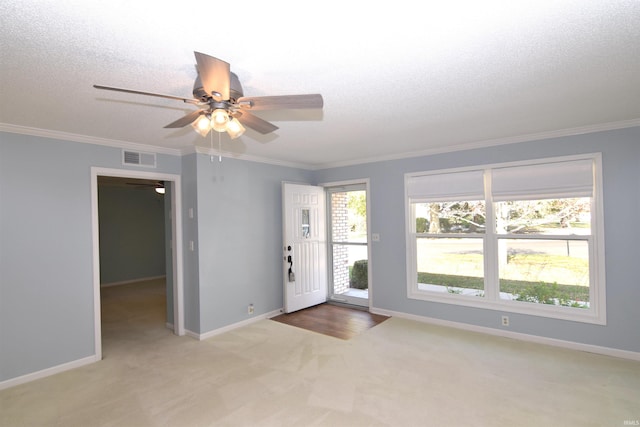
542 292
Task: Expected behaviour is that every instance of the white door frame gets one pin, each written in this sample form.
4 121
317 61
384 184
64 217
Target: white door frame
364 181
176 227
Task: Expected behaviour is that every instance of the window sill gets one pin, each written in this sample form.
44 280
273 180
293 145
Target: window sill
584 315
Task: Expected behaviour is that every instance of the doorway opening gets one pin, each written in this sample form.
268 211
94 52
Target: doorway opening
173 244
348 244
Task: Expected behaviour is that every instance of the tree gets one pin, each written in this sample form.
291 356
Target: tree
357 205
434 218
527 215
357 201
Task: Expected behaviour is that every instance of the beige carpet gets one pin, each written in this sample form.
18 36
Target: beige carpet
400 373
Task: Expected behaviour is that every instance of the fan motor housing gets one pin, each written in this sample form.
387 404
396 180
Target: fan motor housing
235 89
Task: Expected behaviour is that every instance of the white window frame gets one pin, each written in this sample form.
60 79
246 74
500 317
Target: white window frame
596 313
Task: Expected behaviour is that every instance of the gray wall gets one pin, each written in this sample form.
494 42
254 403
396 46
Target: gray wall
46 289
132 233
621 169
236 230
46 273
190 233
240 238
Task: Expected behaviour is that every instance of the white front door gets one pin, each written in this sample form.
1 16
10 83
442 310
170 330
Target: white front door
304 246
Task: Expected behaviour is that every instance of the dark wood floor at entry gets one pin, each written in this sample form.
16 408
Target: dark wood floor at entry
328 319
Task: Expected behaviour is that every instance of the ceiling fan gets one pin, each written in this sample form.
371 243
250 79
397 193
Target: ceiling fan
225 108
114 181
158 186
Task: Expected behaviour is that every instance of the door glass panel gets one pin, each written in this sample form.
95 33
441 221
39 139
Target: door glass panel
349 253
350 275
306 223
349 216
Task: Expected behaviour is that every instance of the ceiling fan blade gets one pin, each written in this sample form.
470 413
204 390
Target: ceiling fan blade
215 76
256 103
138 92
186 120
254 122
146 184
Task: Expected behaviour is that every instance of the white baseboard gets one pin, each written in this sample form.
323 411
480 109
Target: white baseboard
47 372
233 326
126 282
607 351
589 348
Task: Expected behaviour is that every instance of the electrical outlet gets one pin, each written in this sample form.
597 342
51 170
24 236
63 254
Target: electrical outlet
505 320
250 309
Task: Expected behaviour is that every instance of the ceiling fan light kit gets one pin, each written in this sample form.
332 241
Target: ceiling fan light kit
220 121
202 125
226 109
234 128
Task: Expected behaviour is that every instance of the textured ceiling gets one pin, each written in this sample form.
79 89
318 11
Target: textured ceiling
397 78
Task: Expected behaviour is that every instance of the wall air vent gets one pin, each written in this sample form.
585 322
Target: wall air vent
138 158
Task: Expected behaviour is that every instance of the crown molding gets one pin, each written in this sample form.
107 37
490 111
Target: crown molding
602 127
45 133
66 136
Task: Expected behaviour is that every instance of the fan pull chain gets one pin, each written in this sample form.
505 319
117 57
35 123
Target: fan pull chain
211 155
219 147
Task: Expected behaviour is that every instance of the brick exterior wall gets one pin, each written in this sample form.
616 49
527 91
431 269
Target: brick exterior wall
340 230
